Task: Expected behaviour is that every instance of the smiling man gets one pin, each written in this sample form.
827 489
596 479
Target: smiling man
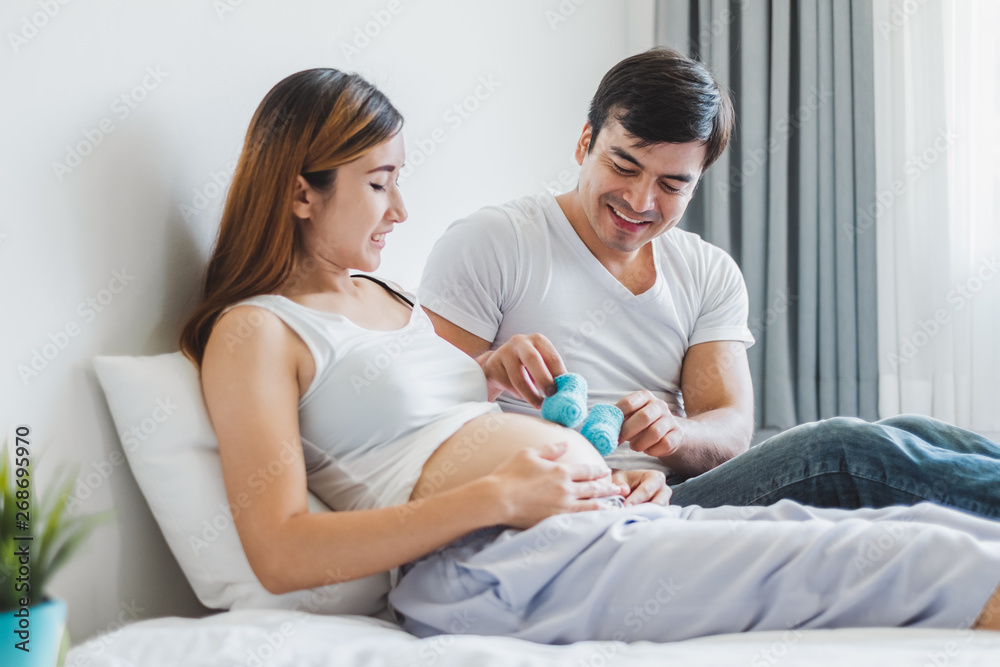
600 281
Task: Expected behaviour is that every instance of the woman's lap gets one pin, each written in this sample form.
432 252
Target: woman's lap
670 573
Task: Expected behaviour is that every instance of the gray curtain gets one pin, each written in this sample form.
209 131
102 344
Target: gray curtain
792 198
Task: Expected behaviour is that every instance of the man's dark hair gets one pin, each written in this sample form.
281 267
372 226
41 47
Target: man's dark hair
661 96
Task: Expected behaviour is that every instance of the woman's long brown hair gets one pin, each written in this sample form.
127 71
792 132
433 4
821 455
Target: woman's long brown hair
310 123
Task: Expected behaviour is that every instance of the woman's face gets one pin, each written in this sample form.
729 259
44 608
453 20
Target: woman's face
347 230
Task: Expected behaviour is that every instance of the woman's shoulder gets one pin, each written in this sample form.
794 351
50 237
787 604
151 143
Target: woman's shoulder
249 327
259 301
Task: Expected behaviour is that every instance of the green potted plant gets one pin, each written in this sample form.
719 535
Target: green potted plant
37 537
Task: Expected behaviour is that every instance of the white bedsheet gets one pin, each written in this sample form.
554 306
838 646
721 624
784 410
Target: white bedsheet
284 638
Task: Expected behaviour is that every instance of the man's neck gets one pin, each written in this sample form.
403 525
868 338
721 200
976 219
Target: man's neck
635 270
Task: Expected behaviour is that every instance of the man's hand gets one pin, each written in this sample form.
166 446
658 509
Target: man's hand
525 366
641 486
649 425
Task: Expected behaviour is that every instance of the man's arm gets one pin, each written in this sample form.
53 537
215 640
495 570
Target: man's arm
525 365
638 486
718 399
472 345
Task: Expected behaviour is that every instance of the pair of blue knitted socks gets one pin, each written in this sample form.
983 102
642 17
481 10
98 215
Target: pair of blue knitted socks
568 406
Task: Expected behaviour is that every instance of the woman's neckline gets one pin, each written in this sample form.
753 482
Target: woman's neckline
327 313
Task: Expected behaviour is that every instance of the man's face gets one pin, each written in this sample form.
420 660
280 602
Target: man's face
632 194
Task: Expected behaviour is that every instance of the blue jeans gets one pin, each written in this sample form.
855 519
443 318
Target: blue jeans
850 463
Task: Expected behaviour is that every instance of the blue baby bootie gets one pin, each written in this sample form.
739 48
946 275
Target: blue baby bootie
602 427
568 406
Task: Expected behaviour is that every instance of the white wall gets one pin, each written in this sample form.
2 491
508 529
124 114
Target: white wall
144 200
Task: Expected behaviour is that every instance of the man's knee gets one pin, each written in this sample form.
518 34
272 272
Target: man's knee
838 443
839 438
910 421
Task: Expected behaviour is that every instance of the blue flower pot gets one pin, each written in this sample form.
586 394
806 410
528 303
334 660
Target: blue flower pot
46 622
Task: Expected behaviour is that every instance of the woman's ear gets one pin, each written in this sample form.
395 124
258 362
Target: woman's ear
303 199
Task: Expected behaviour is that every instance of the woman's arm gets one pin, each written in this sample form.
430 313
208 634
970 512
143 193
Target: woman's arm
252 391
309 550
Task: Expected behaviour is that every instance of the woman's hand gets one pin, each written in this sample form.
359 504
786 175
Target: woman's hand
533 486
525 366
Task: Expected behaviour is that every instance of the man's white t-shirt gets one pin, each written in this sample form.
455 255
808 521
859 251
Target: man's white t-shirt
521 268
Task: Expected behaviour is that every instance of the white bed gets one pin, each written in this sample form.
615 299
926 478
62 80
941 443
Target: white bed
277 638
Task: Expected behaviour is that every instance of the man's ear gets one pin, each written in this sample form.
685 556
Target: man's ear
583 144
303 199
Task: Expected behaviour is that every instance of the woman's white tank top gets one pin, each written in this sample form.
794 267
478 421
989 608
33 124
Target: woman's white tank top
381 402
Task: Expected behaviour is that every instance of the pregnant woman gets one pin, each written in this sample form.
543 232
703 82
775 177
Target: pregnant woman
491 523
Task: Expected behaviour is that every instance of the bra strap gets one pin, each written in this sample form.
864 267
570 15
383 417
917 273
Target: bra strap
387 288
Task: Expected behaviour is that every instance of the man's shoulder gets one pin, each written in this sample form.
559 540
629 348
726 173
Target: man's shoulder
529 210
692 247
506 222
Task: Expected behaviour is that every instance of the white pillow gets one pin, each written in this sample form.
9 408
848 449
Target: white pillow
167 436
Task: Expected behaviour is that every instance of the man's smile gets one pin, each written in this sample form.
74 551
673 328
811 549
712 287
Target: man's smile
626 223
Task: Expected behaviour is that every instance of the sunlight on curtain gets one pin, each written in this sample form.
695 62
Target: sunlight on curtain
974 211
937 217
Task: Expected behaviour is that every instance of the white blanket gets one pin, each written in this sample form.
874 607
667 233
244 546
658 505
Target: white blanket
283 638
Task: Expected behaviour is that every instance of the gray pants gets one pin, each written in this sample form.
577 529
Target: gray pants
669 573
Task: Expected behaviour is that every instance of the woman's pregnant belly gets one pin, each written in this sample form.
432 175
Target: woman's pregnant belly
485 442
